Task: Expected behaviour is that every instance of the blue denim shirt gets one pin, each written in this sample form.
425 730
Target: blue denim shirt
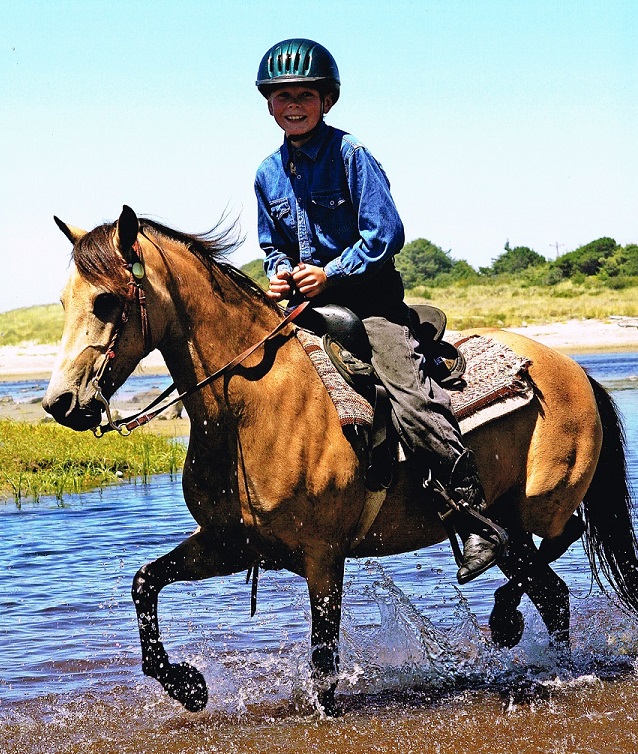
326 203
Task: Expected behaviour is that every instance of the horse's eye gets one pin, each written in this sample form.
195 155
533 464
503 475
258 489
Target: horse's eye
106 306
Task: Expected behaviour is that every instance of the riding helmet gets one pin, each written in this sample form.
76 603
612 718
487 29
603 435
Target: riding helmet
300 61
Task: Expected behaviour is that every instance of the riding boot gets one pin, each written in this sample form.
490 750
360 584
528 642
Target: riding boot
483 540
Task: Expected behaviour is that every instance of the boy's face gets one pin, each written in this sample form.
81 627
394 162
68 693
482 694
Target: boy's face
297 109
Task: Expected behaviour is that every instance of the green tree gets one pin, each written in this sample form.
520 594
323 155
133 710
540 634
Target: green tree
587 259
516 260
255 270
420 261
463 270
622 263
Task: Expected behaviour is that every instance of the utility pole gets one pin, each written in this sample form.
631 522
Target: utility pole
557 246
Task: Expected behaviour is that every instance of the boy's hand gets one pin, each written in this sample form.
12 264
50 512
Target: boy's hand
279 285
309 280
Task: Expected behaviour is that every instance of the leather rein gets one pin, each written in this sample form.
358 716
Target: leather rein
136 294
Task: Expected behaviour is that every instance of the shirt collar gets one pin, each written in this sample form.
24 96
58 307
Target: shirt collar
311 147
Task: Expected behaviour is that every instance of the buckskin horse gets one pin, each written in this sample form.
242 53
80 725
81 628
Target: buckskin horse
271 477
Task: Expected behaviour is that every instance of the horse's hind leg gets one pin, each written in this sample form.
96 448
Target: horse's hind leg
528 572
194 559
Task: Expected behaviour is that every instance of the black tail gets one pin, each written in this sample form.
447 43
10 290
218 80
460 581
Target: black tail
610 539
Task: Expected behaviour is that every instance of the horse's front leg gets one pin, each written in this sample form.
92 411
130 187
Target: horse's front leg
325 587
194 559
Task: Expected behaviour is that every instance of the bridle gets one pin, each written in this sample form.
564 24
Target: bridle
134 296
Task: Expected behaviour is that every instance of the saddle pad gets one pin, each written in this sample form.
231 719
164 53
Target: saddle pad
351 407
496 382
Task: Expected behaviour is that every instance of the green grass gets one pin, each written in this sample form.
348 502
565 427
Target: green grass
47 459
512 305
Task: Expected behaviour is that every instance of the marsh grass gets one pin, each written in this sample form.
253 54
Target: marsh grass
512 305
47 459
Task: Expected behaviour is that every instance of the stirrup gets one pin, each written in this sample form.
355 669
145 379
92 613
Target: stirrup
489 528
486 527
353 370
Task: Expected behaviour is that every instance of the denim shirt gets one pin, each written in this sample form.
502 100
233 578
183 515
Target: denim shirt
326 203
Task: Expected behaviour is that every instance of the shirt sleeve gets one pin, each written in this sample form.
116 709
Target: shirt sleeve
380 228
277 248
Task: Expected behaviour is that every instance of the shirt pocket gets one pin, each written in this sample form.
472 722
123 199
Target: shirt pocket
329 200
284 219
334 217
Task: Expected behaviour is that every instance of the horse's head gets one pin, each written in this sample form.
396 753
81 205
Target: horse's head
106 325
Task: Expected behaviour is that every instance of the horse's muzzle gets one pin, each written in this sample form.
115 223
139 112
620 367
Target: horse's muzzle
66 410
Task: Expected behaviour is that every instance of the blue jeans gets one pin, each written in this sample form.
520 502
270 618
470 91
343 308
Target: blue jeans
421 409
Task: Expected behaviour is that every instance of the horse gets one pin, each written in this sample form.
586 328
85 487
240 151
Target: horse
271 477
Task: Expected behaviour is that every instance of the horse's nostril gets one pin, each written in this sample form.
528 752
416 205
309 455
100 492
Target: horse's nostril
66 410
58 406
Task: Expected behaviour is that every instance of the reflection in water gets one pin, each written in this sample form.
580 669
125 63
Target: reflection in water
418 671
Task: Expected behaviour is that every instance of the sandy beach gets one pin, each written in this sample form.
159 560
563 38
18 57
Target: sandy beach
30 361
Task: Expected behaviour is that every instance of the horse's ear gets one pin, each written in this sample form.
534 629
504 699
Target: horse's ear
72 233
126 230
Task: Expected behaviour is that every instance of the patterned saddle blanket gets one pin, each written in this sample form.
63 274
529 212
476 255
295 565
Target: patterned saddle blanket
496 382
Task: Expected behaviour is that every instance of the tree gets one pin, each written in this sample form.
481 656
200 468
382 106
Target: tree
515 260
463 270
587 259
420 261
255 270
622 263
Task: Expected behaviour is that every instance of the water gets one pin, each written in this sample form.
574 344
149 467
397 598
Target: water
31 391
418 671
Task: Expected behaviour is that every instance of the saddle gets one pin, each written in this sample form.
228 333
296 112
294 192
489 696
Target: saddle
345 341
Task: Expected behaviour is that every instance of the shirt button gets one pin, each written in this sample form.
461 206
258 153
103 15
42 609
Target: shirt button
298 177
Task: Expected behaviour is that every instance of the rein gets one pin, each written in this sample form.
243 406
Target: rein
126 426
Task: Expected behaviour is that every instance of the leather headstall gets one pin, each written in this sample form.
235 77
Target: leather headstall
135 295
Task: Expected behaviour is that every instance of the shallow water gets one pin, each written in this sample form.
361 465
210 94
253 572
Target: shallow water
418 671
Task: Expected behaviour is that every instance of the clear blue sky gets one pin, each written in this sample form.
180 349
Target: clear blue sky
495 120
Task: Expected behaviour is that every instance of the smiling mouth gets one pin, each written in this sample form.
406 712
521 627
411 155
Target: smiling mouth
295 118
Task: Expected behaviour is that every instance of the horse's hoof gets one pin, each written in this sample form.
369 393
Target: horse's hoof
186 684
327 704
526 691
506 627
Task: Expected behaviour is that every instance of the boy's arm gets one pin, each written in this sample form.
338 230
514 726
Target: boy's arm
380 227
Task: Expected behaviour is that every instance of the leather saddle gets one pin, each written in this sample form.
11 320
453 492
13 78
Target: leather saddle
346 342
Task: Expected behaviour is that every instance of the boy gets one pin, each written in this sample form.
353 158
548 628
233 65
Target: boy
330 230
